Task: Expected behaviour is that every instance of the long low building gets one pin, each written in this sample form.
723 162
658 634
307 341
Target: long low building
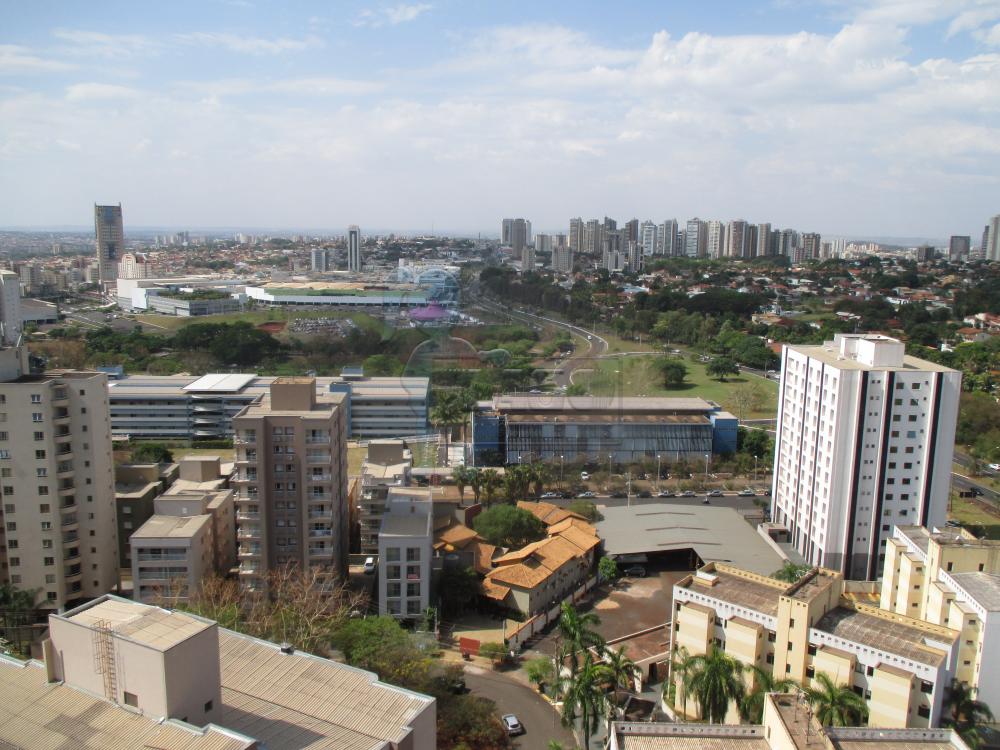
548 427
190 407
339 294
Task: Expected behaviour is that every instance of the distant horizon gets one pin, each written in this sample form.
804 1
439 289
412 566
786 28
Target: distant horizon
449 233
877 115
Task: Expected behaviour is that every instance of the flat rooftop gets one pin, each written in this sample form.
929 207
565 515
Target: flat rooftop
556 402
983 587
171 527
250 386
152 626
36 713
888 633
741 591
220 383
831 355
715 534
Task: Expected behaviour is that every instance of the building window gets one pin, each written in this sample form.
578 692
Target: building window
926 687
208 706
392 572
131 699
924 711
36 398
412 554
392 554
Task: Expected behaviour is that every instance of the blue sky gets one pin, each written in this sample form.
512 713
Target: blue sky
877 118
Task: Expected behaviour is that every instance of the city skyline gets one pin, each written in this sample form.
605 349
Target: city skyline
846 118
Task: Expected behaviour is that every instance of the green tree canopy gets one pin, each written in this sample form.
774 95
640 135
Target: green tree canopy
151 453
674 371
836 705
720 367
508 526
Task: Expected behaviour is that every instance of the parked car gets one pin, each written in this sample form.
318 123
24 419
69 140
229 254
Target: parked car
513 726
687 493
584 476
665 493
550 495
567 495
369 565
619 493
994 467
588 493
766 492
645 493
636 571
747 493
715 493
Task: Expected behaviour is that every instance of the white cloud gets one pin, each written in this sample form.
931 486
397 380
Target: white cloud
16 60
99 44
393 14
249 44
319 86
80 92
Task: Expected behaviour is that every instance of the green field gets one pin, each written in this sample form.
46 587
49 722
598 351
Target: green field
256 317
970 513
638 377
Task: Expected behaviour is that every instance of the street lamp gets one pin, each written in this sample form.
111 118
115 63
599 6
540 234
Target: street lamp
561 465
708 457
658 457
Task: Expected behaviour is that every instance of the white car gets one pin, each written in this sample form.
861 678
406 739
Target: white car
994 467
369 565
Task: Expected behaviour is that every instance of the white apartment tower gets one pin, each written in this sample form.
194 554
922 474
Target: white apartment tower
648 236
668 240
716 239
736 239
57 484
991 239
291 459
695 239
354 248
10 308
864 442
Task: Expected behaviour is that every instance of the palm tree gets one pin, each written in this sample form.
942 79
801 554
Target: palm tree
578 634
965 713
475 479
716 681
752 707
681 671
620 671
461 476
491 480
585 697
517 482
445 414
541 474
836 705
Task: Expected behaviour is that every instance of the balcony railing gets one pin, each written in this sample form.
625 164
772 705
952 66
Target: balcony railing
320 532
320 477
155 557
247 516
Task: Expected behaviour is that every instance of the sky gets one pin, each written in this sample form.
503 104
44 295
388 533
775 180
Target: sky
877 118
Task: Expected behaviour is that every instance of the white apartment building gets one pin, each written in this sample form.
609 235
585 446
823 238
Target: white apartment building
649 237
864 441
10 308
354 248
291 458
57 485
389 464
716 239
405 551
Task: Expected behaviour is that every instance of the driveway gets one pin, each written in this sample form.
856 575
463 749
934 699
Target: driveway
540 720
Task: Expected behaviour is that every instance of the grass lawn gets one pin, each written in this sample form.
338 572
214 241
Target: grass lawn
640 378
227 454
970 513
617 345
987 481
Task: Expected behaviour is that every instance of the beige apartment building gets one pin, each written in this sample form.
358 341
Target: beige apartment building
291 458
388 464
170 557
56 483
119 674
900 665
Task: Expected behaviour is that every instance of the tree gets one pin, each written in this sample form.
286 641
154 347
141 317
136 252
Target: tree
151 453
790 572
836 705
965 714
620 671
764 682
491 481
716 681
585 698
720 367
586 509
495 652
540 672
461 474
517 482
674 372
539 474
475 479
303 608
508 526
578 634
607 569
380 365
682 667
469 722
748 398
445 414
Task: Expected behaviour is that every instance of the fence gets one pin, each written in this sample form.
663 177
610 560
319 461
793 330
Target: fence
516 638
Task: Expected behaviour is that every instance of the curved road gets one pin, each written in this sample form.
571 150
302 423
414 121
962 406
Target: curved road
540 720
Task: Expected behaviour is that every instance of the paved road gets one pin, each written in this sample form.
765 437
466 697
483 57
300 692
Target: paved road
540 720
963 483
596 345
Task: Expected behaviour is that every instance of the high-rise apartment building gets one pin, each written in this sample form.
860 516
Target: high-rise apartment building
648 237
576 234
527 258
319 260
669 239
716 244
696 239
291 458
959 247
811 246
10 308
110 234
593 237
562 259
518 236
735 239
57 483
864 441
543 243
631 231
991 245
354 248
506 226
763 244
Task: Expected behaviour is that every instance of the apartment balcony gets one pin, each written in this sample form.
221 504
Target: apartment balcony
72 573
207 408
322 552
317 441
69 522
70 537
64 451
321 533
68 504
65 474
246 461
320 477
321 514
324 459
251 569
73 554
248 533
60 398
67 490
324 497
250 552
62 421
245 515
158 557
243 441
